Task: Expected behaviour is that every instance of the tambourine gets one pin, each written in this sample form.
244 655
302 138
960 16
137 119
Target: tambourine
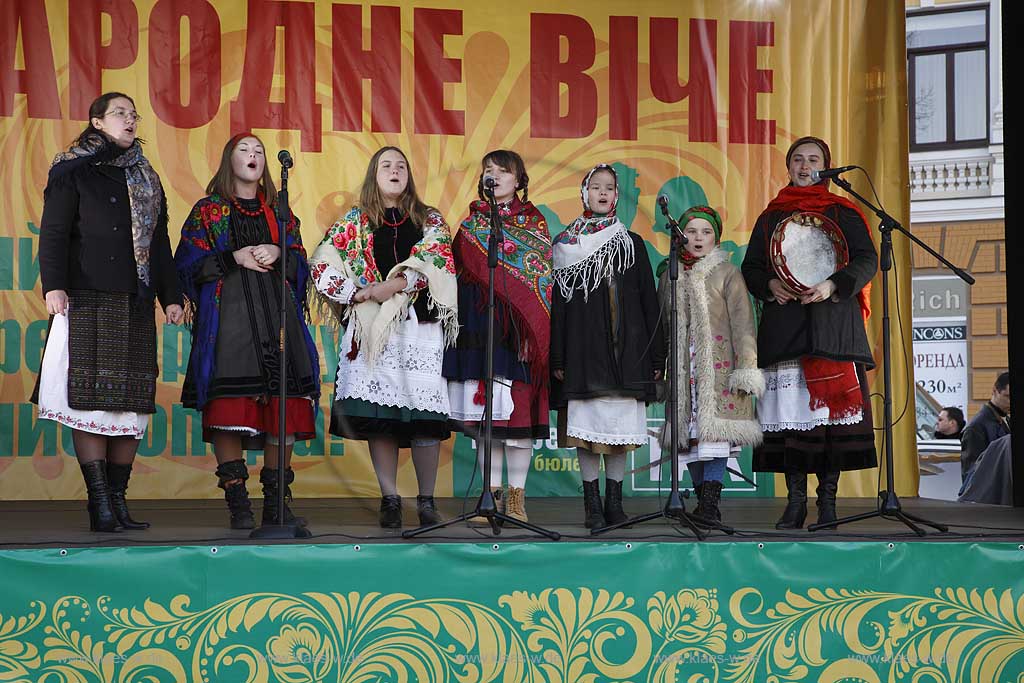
806 248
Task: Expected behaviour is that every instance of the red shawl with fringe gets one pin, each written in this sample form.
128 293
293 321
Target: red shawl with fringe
830 383
526 257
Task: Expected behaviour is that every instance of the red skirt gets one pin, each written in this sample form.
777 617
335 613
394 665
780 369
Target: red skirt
260 416
529 418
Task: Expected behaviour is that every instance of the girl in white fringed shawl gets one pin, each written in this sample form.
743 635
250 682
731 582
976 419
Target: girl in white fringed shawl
607 349
386 272
717 374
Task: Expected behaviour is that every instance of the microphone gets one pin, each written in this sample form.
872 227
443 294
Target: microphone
663 203
285 158
489 182
673 225
831 172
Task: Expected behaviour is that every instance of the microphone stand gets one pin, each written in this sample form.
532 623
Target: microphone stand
890 505
674 508
485 505
282 530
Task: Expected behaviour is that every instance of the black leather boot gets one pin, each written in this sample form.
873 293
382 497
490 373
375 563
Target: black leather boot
697 488
796 508
117 477
269 479
710 496
613 512
101 512
426 509
235 493
593 516
828 486
391 512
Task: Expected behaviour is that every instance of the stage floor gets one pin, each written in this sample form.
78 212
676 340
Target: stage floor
41 524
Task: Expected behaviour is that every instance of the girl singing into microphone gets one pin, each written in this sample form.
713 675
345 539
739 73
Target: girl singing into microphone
522 293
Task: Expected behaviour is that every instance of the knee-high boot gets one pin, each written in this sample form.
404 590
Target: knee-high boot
101 512
271 484
828 486
796 508
236 495
117 477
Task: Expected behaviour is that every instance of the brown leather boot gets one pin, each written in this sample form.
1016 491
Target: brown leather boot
515 507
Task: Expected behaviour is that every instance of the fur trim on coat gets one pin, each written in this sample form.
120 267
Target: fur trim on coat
714 310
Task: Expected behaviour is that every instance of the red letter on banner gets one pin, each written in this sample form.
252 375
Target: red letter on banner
433 70
746 81
299 110
622 78
701 86
382 66
37 80
89 57
165 62
547 73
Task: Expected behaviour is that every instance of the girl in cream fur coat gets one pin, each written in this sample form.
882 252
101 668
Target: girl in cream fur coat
718 376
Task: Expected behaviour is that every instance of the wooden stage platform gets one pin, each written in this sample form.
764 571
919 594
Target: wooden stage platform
42 524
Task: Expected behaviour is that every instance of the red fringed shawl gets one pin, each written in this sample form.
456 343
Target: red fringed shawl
830 383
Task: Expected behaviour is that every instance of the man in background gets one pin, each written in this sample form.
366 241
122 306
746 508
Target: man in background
950 424
988 425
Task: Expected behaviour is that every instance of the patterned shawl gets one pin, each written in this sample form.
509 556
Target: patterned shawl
348 247
526 256
590 250
594 247
145 193
207 232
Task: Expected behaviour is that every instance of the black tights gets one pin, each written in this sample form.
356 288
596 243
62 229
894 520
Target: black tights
119 450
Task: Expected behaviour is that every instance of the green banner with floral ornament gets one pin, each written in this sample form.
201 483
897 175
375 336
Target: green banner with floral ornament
532 612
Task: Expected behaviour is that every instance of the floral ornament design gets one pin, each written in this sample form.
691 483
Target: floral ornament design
575 629
954 636
17 656
558 635
692 630
300 655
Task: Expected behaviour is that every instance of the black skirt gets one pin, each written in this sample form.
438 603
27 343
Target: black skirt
111 352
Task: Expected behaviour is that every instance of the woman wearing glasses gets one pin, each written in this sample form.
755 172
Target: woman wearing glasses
104 256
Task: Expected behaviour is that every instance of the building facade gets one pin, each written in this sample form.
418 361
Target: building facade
954 78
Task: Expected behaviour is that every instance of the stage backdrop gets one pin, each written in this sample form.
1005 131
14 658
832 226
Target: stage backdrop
698 100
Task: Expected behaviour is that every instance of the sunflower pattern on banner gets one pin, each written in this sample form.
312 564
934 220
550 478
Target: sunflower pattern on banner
559 635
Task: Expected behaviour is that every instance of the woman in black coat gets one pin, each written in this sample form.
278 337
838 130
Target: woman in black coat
607 347
104 255
813 346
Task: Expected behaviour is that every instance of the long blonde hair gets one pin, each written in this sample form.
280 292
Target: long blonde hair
371 201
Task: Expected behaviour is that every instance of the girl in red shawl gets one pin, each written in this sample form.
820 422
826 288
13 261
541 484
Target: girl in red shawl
522 293
813 346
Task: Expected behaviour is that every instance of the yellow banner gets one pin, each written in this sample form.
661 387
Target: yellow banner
705 95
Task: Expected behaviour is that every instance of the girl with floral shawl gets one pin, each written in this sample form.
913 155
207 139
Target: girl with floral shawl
522 293
385 272
228 264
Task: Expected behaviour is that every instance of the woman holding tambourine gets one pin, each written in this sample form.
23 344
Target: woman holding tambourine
809 263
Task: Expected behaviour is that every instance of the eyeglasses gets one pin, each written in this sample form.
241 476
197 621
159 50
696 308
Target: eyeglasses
125 114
